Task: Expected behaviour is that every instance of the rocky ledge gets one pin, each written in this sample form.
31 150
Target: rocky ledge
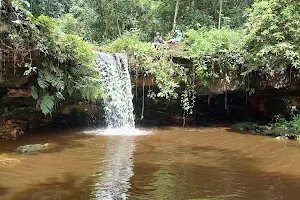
267 130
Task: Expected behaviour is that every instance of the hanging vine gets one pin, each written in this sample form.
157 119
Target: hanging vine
143 99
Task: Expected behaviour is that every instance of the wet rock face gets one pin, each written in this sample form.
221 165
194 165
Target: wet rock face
278 132
10 130
227 84
278 80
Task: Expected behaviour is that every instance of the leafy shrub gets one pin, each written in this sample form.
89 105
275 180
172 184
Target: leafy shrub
291 127
72 67
66 64
216 53
273 35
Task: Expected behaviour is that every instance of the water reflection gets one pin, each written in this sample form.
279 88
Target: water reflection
113 182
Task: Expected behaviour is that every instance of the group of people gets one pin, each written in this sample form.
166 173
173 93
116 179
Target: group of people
158 40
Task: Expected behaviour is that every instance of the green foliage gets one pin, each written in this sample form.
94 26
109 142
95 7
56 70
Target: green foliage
47 104
145 61
29 70
209 42
4 111
273 38
66 65
216 53
70 25
294 123
53 8
73 66
159 15
34 92
105 20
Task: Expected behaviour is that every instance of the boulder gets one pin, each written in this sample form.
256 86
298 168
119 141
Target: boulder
283 131
32 148
282 138
10 130
245 126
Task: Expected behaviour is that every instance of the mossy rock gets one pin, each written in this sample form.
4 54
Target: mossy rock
253 128
245 126
283 131
32 148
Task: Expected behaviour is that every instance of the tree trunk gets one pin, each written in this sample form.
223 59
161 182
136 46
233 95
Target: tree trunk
220 14
118 26
175 14
1 59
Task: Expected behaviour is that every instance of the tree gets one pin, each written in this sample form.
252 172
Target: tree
108 19
175 14
273 35
53 8
220 14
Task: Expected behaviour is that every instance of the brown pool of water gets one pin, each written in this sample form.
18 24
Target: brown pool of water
168 164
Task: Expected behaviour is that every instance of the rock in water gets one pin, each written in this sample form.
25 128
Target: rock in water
31 148
282 138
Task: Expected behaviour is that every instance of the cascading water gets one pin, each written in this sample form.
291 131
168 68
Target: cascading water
118 108
118 97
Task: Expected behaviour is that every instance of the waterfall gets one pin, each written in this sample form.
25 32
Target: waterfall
118 97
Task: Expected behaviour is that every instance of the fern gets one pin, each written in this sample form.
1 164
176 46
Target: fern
59 85
42 82
47 104
59 95
58 72
34 92
54 80
50 78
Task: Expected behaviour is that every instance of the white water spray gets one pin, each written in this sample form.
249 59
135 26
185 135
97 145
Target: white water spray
118 97
118 106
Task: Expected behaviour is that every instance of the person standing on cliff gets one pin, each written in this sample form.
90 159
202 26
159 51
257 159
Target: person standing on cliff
158 40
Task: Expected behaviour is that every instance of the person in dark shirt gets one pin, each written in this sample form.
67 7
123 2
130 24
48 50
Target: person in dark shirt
158 40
